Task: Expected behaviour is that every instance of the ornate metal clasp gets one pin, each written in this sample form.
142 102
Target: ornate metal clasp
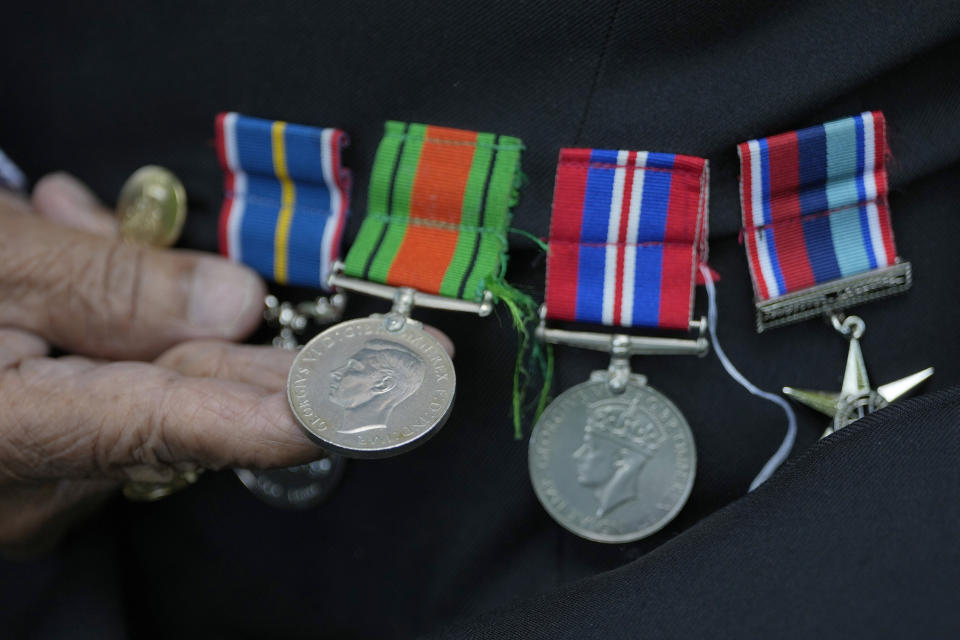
830 297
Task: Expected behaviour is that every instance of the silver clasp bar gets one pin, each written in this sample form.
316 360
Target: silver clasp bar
626 345
410 297
621 347
831 297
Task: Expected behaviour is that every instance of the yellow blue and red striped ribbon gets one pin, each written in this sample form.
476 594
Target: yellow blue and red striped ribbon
287 197
815 204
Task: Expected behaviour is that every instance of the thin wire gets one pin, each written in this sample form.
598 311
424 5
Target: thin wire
784 450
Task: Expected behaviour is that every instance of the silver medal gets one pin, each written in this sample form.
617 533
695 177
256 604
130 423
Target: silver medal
612 459
301 487
373 387
612 467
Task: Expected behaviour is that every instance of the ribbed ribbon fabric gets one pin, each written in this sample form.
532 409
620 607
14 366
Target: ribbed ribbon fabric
286 197
628 231
814 204
438 210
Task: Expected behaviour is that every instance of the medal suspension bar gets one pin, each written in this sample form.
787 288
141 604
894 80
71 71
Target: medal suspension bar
622 347
406 298
831 297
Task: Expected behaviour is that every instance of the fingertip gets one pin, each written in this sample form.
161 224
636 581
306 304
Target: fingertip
226 299
442 338
62 198
64 185
16 344
265 436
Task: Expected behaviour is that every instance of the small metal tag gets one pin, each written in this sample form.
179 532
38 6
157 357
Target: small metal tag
834 296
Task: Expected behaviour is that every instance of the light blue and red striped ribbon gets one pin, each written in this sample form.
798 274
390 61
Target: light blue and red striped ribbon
628 230
287 196
815 204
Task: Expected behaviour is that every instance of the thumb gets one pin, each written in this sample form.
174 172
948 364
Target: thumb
105 298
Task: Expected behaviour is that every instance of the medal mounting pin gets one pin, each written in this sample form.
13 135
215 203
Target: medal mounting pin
622 347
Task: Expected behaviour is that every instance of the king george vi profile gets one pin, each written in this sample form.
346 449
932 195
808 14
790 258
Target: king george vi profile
373 382
617 442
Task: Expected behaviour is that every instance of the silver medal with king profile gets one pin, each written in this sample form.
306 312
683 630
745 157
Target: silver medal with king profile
612 459
372 387
379 386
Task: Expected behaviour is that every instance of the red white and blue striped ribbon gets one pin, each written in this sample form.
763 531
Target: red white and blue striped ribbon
628 230
815 204
286 200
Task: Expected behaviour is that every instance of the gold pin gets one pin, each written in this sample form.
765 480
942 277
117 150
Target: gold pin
152 207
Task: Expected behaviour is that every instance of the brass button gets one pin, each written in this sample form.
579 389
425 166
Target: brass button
152 207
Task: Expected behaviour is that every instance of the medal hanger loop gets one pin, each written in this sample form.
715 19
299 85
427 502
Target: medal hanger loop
406 298
622 347
850 327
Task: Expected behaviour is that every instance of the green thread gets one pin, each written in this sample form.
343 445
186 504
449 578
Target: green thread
547 368
526 234
520 180
523 311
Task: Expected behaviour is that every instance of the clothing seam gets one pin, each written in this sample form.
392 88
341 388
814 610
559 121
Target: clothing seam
610 165
599 69
461 143
648 243
880 200
427 222
247 197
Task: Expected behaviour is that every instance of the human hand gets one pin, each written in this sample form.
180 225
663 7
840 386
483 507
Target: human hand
74 427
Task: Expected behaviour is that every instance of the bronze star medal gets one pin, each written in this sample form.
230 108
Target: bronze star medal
856 398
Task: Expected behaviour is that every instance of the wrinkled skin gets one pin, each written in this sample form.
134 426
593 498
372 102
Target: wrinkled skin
155 385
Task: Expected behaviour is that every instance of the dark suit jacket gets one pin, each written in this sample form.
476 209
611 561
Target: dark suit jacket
856 537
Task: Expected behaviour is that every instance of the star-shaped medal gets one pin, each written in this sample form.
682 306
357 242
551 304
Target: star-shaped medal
856 398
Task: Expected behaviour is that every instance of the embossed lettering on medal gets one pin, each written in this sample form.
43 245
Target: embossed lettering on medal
366 389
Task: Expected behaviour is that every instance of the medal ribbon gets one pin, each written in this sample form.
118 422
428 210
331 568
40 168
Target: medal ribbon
438 210
628 231
815 204
286 197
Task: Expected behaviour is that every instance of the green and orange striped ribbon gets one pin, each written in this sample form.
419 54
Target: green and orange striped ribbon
438 210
